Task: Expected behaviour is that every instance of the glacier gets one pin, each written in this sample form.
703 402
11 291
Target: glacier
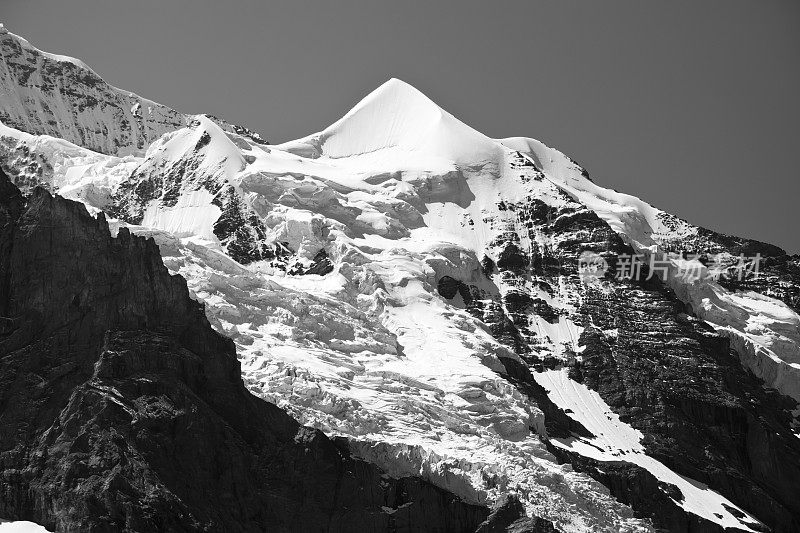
323 259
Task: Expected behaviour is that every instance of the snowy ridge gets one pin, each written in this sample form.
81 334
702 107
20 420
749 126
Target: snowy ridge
55 57
37 89
49 94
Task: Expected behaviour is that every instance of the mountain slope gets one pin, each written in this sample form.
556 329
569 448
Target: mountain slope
123 410
514 233
401 280
49 94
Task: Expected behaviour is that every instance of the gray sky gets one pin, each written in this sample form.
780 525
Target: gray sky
692 105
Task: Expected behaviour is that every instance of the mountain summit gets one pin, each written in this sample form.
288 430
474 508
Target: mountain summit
475 315
398 116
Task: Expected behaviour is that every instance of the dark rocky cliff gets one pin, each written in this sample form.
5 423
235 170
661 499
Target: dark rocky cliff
122 410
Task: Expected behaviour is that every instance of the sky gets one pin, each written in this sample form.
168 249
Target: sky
691 105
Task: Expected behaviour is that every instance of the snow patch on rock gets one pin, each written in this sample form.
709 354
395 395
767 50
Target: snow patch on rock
617 441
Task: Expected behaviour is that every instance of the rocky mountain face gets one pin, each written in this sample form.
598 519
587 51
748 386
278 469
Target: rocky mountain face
667 374
47 94
122 409
474 322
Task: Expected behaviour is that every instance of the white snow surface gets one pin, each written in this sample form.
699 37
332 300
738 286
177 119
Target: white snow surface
75 172
20 526
396 117
401 193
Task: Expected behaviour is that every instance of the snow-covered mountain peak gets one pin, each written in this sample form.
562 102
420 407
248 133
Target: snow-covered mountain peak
397 116
202 137
407 283
395 97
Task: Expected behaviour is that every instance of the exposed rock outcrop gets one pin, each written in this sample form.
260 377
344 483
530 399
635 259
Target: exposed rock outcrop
508 515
